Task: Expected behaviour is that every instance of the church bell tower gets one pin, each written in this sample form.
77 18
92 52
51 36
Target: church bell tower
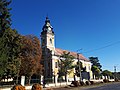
48 48
47 36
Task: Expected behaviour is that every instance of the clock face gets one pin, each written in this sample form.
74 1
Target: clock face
49 29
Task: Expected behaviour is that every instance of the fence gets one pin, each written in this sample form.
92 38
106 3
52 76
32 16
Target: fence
48 82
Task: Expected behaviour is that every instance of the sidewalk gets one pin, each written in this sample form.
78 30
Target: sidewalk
53 85
47 86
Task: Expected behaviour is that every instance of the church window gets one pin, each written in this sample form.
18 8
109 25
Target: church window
56 65
89 67
50 41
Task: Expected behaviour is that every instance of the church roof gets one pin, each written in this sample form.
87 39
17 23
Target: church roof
60 52
47 28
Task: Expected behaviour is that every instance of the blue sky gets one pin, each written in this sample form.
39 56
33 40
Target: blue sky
92 25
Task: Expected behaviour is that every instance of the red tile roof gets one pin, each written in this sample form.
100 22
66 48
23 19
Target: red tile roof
60 52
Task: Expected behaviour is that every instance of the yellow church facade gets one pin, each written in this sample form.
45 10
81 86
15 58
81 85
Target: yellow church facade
51 56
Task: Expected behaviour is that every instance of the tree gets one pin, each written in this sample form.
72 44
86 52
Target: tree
96 67
30 57
5 20
95 62
10 45
107 73
116 75
96 71
66 64
77 69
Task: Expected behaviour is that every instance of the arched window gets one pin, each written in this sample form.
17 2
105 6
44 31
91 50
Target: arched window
50 41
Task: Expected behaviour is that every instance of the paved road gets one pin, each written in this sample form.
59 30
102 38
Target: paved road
111 86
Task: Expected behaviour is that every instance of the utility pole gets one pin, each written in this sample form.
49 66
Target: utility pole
115 72
79 68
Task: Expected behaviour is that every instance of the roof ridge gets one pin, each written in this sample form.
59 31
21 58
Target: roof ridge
59 51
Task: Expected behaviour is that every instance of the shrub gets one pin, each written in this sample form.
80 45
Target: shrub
92 82
101 82
116 80
82 83
75 83
18 87
7 83
36 87
87 83
105 80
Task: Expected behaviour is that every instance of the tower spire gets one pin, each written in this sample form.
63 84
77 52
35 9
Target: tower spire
47 20
47 26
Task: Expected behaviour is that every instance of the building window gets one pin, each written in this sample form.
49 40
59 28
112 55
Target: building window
56 65
89 68
50 41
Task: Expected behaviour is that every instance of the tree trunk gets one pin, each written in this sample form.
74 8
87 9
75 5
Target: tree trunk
40 79
66 77
29 79
74 78
93 76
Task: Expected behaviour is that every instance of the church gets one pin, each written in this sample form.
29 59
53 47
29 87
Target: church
51 56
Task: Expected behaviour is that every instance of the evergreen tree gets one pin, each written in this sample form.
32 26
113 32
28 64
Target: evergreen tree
9 52
4 24
10 43
5 20
96 71
95 62
96 66
66 64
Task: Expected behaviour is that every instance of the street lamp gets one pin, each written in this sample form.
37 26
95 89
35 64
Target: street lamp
79 68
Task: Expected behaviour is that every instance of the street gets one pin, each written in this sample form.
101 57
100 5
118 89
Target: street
110 86
105 86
